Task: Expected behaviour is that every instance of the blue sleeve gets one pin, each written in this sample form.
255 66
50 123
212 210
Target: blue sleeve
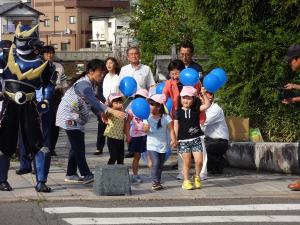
85 90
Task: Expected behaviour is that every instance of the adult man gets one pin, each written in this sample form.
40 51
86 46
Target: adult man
186 51
51 131
216 136
293 57
140 72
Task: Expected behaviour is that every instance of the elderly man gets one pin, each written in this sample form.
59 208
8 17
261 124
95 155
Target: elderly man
140 72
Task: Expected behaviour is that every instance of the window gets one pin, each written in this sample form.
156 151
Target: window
72 19
56 18
119 27
91 19
64 46
109 24
55 46
46 23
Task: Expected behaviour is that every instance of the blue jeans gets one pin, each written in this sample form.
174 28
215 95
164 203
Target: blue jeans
157 165
77 154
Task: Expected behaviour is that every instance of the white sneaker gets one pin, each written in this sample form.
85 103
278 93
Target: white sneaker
136 179
73 179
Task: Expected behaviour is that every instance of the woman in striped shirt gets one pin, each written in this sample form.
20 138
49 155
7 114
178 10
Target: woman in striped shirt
73 114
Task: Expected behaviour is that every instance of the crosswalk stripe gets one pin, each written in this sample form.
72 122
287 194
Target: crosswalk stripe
174 220
220 208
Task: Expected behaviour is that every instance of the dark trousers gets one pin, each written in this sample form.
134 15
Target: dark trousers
77 154
215 149
23 118
157 165
100 135
116 151
50 130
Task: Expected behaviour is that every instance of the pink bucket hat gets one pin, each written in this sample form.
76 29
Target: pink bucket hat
114 96
159 98
188 91
142 92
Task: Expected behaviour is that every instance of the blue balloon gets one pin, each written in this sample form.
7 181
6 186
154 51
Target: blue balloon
189 77
128 86
169 104
221 74
140 108
211 83
159 88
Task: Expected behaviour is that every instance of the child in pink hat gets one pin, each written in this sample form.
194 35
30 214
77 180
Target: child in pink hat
136 136
160 138
114 130
188 132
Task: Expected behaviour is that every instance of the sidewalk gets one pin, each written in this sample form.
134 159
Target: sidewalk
233 184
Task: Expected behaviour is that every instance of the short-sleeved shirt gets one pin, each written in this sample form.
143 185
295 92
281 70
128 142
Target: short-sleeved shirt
188 121
114 128
157 138
110 85
142 74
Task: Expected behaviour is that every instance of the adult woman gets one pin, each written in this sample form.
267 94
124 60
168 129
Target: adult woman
110 85
73 114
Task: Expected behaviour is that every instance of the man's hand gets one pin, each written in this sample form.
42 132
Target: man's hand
287 101
291 100
291 86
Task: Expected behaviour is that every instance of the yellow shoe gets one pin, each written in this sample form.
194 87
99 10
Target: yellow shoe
197 182
187 185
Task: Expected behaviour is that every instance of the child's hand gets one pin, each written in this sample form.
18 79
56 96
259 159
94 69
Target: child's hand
203 91
146 128
128 138
173 143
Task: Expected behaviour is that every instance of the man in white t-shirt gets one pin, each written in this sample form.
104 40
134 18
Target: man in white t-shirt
140 72
216 136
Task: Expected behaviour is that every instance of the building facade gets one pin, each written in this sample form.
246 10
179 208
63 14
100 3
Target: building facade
13 13
111 33
67 24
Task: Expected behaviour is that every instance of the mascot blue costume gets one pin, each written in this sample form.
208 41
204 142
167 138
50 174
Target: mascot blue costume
23 73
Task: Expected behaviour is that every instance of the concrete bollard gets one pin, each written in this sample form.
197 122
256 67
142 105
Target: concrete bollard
112 180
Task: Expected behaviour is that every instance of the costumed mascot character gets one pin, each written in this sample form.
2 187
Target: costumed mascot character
23 73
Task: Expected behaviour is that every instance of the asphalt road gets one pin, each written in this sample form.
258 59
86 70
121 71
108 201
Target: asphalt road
208 211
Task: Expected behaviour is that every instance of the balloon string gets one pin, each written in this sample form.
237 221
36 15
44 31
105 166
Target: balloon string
125 100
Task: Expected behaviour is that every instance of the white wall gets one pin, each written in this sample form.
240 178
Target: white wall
116 36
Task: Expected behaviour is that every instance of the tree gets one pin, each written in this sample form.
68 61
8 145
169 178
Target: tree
250 39
159 24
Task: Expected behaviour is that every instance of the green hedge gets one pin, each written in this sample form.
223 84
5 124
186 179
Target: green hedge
248 38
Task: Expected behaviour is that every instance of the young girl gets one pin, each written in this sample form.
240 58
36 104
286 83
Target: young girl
188 132
110 85
136 137
73 114
159 124
172 89
115 130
